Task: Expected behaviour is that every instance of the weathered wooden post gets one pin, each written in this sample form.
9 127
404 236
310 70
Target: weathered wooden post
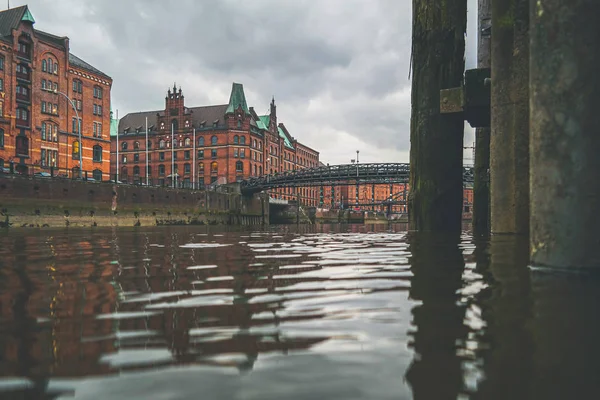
481 184
438 51
565 145
509 142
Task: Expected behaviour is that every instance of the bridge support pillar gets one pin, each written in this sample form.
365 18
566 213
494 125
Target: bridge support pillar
481 173
436 173
565 179
509 142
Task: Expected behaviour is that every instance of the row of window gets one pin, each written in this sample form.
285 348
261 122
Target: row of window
77 86
49 108
49 158
96 152
187 168
49 85
49 132
97 109
22 71
50 66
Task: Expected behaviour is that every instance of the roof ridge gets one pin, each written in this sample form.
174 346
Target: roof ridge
50 34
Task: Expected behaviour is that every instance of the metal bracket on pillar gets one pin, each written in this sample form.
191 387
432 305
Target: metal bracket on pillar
472 99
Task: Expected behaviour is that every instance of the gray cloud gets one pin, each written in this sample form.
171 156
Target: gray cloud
337 68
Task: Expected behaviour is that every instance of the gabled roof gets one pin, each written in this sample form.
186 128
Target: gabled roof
206 114
237 99
79 63
286 140
50 38
10 19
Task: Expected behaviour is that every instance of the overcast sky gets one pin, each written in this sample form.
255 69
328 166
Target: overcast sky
339 69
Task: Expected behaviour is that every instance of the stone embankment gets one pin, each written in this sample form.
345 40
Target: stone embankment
53 202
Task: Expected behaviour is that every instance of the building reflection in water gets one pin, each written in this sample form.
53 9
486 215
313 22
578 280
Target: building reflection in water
484 325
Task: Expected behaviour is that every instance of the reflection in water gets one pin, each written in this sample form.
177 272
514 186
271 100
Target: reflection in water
438 331
295 312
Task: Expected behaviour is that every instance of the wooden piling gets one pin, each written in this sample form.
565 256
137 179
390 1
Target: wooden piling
481 176
509 141
438 51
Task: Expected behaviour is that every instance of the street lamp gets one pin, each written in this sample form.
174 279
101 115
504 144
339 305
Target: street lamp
78 129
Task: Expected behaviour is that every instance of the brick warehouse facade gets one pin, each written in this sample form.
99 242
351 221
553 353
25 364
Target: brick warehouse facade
38 126
200 146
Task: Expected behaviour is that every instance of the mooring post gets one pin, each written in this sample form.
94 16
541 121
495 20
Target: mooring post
436 174
565 145
481 175
509 142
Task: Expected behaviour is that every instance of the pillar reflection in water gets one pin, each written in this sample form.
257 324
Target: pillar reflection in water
540 339
437 267
505 345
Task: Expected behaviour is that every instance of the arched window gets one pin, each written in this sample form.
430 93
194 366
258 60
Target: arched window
97 174
136 145
239 166
242 139
44 66
259 169
214 167
161 169
188 142
236 139
124 146
124 172
201 141
254 143
201 168
136 170
50 66
75 152
97 153
149 144
213 140
174 125
161 144
239 124
175 143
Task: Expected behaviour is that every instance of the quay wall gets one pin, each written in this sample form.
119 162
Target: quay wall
53 202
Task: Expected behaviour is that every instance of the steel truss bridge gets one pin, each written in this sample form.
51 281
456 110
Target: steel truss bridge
336 175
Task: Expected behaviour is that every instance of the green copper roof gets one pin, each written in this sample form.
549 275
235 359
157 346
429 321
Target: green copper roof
237 98
286 140
263 122
27 16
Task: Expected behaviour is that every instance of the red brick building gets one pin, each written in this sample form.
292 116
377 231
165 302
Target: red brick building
199 146
38 125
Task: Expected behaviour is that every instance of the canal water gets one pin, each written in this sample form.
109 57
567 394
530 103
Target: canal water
312 312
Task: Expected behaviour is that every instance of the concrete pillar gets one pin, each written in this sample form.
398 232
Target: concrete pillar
509 142
481 176
565 145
